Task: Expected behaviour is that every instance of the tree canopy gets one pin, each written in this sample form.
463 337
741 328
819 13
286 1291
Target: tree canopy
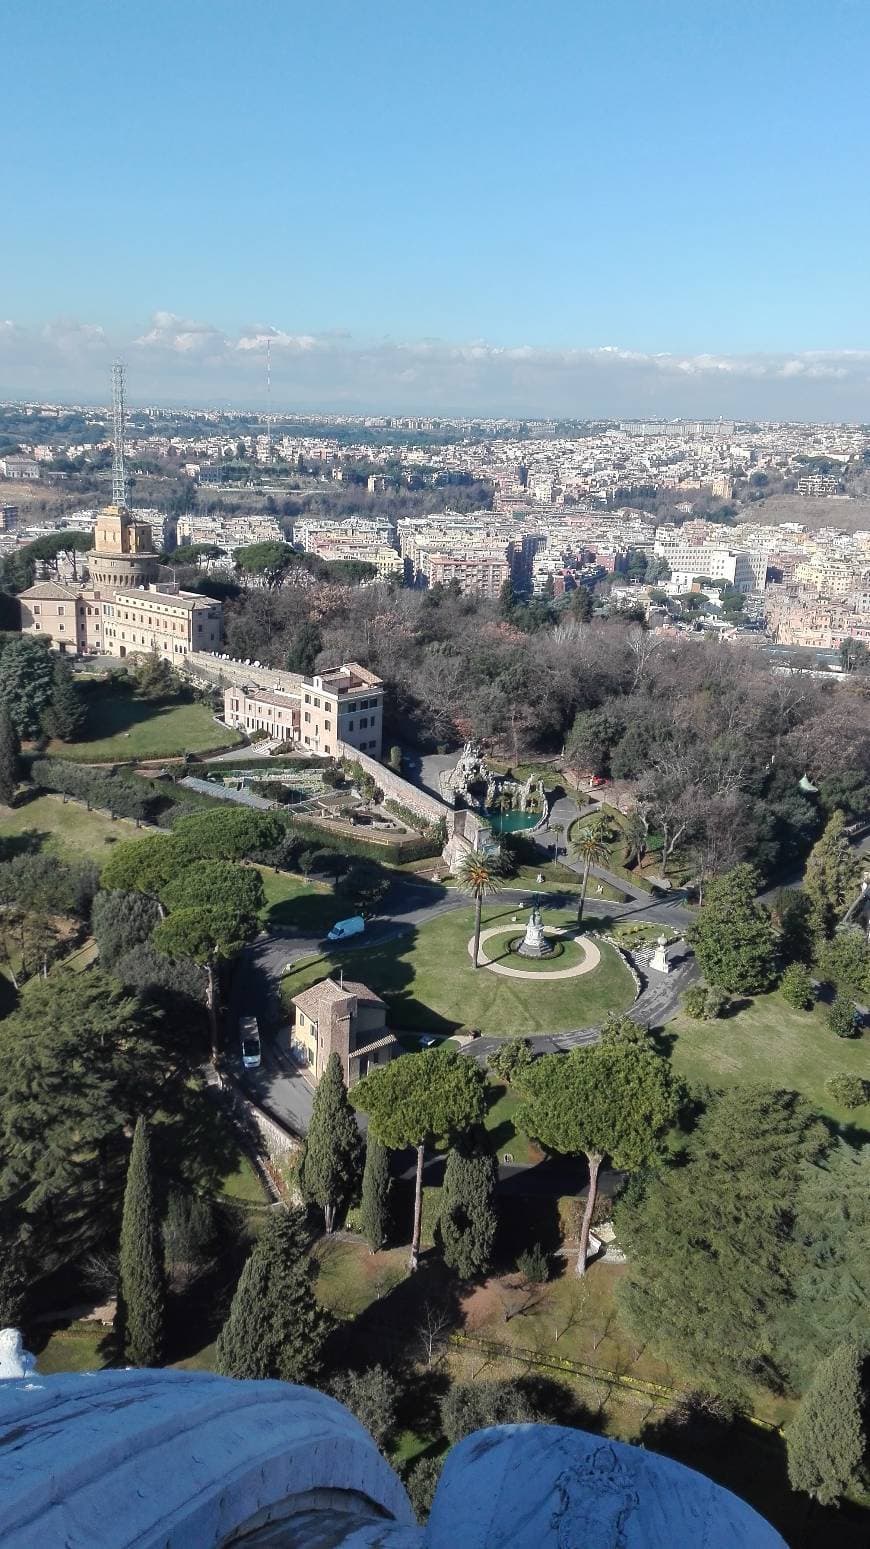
709 1237
275 1327
612 1099
733 936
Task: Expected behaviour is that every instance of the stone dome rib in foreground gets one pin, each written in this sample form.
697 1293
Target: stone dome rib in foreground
185 1460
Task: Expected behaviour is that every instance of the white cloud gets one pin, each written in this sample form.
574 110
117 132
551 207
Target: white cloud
182 359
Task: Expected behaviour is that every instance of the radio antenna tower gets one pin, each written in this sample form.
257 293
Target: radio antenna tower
269 402
119 415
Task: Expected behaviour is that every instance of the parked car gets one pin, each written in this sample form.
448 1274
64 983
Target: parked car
344 928
249 1036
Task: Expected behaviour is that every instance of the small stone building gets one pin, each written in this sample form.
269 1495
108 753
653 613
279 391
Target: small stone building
346 1019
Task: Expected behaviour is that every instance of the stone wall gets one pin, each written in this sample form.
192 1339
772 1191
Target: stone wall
395 787
207 668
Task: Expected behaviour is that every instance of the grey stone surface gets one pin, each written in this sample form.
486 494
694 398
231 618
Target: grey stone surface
179 1460
185 1460
545 1487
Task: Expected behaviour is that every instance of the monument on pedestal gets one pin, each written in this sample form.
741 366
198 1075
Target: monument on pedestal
534 942
659 959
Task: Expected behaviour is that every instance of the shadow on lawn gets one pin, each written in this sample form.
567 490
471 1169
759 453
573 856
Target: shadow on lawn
109 715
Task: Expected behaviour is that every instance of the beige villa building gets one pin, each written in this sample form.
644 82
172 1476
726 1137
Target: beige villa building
332 712
346 1019
125 609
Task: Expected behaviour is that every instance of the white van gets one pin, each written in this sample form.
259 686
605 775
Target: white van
249 1038
344 928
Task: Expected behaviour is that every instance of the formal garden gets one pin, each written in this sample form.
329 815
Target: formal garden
427 980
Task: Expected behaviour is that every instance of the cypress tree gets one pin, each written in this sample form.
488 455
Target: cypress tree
831 875
826 1440
65 715
141 1287
10 751
275 1326
376 1187
333 1153
468 1215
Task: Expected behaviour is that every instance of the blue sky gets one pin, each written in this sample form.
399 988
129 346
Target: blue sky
564 206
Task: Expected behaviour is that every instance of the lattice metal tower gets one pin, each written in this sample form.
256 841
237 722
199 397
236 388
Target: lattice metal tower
269 403
119 415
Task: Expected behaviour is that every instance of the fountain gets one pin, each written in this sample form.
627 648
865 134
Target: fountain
534 942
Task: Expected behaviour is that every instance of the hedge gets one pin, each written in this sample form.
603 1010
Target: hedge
120 792
425 827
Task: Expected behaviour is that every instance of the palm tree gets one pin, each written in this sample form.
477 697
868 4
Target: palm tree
480 875
592 851
557 829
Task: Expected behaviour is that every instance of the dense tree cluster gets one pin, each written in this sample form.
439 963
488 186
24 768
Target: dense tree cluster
748 1254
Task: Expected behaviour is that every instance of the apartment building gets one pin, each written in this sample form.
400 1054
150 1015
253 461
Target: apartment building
82 622
20 468
387 561
272 711
160 619
8 517
816 485
347 1019
342 707
744 569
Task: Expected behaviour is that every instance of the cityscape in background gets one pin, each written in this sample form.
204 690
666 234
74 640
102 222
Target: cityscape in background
756 529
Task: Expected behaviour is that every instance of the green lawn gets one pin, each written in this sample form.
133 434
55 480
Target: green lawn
500 1125
427 981
120 728
291 901
243 1184
770 1042
69 831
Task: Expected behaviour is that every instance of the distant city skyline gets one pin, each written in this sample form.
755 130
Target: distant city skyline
576 209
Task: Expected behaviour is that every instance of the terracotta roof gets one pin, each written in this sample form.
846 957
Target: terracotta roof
321 997
51 589
369 1048
362 992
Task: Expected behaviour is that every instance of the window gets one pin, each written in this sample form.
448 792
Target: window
37 608
363 722
60 610
60 628
316 703
350 725
306 715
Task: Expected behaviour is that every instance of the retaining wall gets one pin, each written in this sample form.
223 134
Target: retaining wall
395 787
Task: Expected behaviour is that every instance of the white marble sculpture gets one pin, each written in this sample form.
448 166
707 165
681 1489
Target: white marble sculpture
659 959
15 1361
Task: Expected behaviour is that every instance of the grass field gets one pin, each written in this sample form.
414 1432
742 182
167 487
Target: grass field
119 728
293 902
770 1042
427 981
68 831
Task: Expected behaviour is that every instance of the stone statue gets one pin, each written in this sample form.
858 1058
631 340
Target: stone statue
534 942
15 1361
659 959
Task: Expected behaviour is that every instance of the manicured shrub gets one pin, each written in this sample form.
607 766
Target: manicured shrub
796 987
534 1265
848 1090
716 1003
695 1002
842 1017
